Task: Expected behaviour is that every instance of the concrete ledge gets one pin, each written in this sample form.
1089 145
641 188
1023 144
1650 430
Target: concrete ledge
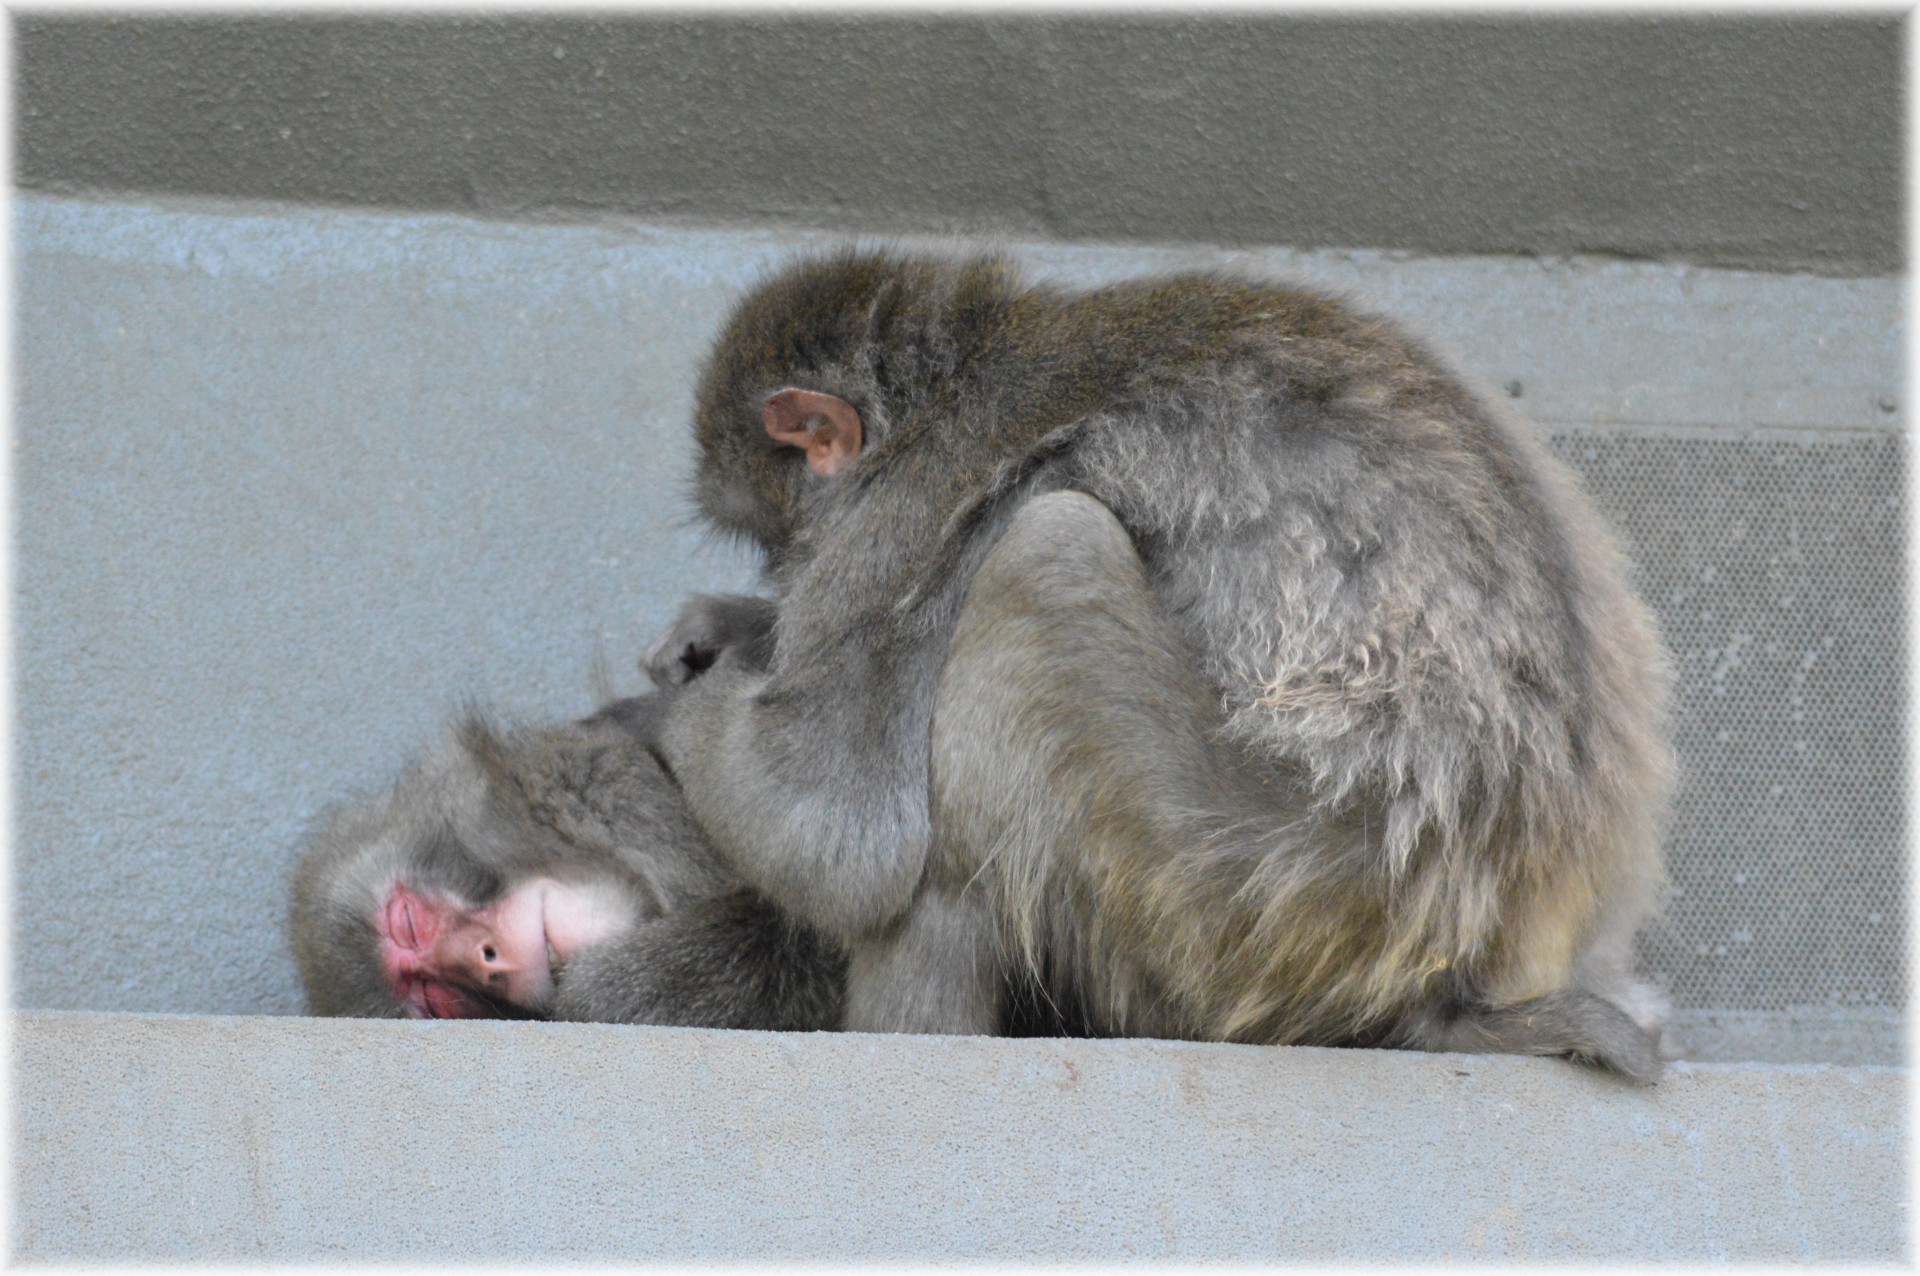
152 1137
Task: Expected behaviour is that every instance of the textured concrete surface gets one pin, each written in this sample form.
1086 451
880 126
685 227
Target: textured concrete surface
292 484
1871 1035
160 1138
1770 141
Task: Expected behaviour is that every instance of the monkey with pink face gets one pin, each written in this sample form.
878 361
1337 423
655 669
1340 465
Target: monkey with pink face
545 872
554 873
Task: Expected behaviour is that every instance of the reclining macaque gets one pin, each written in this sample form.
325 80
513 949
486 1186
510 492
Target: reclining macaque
555 873
547 872
1298 696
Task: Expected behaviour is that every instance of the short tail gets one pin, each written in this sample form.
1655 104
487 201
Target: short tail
1579 1025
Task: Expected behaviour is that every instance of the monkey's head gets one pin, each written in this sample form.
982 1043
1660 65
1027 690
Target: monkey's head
821 365
464 890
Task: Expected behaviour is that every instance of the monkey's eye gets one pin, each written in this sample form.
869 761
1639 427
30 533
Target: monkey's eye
402 927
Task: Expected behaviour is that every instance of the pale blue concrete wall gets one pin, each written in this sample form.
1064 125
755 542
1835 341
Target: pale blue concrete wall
293 483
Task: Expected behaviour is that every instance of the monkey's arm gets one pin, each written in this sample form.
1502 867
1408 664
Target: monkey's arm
731 962
811 780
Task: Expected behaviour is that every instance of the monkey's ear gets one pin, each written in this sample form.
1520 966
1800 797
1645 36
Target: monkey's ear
826 428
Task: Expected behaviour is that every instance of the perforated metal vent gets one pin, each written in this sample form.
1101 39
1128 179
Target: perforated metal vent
1775 564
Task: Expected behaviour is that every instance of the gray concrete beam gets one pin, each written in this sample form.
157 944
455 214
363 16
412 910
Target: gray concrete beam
161 1138
1767 141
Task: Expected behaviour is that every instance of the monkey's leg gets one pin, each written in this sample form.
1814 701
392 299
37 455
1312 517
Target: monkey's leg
1570 1022
1070 747
934 971
1041 612
1051 618
731 962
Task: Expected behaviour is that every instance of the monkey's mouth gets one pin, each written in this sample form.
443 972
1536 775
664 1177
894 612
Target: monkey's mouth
571 919
554 953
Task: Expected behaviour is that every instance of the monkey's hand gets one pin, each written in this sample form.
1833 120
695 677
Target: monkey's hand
731 962
709 626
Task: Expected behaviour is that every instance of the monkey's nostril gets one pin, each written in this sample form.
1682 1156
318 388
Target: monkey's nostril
488 952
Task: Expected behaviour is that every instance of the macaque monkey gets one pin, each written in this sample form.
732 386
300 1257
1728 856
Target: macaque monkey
555 873
547 873
1293 692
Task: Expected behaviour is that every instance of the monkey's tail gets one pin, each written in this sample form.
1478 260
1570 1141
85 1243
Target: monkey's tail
1577 1024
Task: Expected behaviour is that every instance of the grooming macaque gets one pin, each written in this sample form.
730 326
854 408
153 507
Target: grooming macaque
1298 695
547 873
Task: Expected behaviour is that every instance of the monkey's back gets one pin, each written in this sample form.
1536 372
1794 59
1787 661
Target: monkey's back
1402 600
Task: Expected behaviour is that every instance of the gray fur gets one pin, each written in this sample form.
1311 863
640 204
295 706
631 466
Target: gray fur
1405 761
732 961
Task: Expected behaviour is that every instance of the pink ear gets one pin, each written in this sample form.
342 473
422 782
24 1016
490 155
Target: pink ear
826 428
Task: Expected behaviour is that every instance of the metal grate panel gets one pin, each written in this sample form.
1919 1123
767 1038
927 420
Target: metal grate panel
1776 566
